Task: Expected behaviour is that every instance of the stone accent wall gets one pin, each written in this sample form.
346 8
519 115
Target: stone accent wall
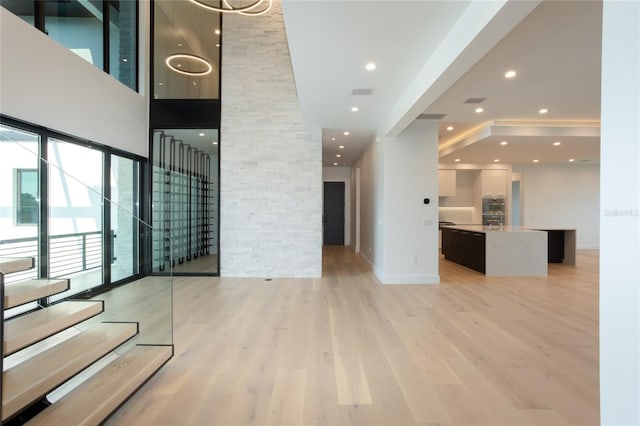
271 166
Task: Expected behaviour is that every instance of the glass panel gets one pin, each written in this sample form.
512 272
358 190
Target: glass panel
77 25
182 28
185 199
72 204
147 301
19 198
75 215
21 8
122 41
124 209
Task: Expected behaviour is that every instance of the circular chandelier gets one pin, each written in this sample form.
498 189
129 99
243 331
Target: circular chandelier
189 57
255 8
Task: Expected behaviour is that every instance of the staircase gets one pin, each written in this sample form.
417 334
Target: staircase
54 346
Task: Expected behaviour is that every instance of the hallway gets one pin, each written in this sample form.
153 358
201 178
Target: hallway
345 350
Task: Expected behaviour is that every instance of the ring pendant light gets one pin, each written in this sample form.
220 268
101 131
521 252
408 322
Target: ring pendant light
192 58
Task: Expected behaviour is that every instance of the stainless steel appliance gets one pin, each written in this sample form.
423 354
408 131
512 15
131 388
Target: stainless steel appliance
493 211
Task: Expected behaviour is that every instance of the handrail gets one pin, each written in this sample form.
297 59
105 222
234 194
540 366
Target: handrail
28 239
71 253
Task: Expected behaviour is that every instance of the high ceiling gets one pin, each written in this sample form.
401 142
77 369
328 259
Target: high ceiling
555 51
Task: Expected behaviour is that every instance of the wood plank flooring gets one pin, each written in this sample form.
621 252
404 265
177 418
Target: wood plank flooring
345 350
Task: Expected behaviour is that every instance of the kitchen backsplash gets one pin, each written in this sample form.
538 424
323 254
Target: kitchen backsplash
458 215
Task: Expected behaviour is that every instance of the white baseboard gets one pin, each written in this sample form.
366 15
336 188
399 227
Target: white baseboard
410 279
401 279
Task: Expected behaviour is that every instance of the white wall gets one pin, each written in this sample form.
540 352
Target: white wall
342 174
271 170
620 215
558 195
49 85
410 226
371 168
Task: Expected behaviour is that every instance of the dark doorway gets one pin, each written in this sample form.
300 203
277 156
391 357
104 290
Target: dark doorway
333 213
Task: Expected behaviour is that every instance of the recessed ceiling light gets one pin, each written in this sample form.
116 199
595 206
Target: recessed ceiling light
510 74
355 109
218 45
571 160
536 161
125 60
333 139
217 31
160 84
479 110
335 164
497 160
338 155
370 66
504 143
179 44
543 111
215 143
450 128
557 143
346 133
200 134
457 160
341 147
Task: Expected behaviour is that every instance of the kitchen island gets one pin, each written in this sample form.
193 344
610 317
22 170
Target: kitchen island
496 250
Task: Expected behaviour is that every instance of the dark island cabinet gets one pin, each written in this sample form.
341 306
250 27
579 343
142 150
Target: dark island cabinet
465 247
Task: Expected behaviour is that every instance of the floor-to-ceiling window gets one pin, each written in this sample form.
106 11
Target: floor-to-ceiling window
185 121
19 197
125 225
75 214
70 204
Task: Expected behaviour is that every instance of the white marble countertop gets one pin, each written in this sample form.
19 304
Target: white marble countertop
485 229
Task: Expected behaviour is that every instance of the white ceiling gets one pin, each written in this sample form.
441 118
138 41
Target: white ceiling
332 41
555 51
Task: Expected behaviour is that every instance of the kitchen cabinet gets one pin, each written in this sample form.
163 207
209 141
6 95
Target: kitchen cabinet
446 183
493 183
464 247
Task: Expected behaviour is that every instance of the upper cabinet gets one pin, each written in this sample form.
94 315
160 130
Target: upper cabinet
493 183
446 183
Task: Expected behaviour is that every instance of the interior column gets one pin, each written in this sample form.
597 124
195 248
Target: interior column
411 205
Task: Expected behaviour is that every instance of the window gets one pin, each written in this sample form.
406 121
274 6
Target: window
70 204
186 51
104 33
123 24
26 197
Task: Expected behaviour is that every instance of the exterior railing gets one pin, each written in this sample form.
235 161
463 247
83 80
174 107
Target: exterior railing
68 253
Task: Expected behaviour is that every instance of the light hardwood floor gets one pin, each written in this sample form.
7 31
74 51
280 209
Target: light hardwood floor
345 350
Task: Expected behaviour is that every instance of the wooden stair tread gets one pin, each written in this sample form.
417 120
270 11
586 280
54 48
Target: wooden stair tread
23 331
9 265
16 294
103 393
34 378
